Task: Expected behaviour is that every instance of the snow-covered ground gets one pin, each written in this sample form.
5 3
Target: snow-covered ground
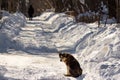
29 48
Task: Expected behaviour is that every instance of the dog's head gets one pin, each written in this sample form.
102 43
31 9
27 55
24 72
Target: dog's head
63 56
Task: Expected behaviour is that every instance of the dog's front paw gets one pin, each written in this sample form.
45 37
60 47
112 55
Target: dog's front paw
67 75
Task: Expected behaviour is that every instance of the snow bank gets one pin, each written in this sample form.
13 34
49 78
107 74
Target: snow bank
10 27
101 55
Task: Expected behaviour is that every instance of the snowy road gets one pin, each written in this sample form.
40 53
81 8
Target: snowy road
33 67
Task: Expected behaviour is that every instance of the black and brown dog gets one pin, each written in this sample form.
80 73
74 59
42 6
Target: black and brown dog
73 66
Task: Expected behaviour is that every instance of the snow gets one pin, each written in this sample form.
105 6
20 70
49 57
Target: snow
29 48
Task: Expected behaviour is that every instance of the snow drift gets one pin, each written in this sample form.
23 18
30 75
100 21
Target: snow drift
10 27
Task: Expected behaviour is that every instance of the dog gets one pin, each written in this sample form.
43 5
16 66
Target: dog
73 66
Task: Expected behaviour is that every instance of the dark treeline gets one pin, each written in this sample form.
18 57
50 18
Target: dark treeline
77 6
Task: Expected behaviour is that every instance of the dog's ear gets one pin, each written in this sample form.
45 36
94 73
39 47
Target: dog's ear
60 54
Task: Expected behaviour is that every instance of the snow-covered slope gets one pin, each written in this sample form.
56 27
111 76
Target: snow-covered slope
97 49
